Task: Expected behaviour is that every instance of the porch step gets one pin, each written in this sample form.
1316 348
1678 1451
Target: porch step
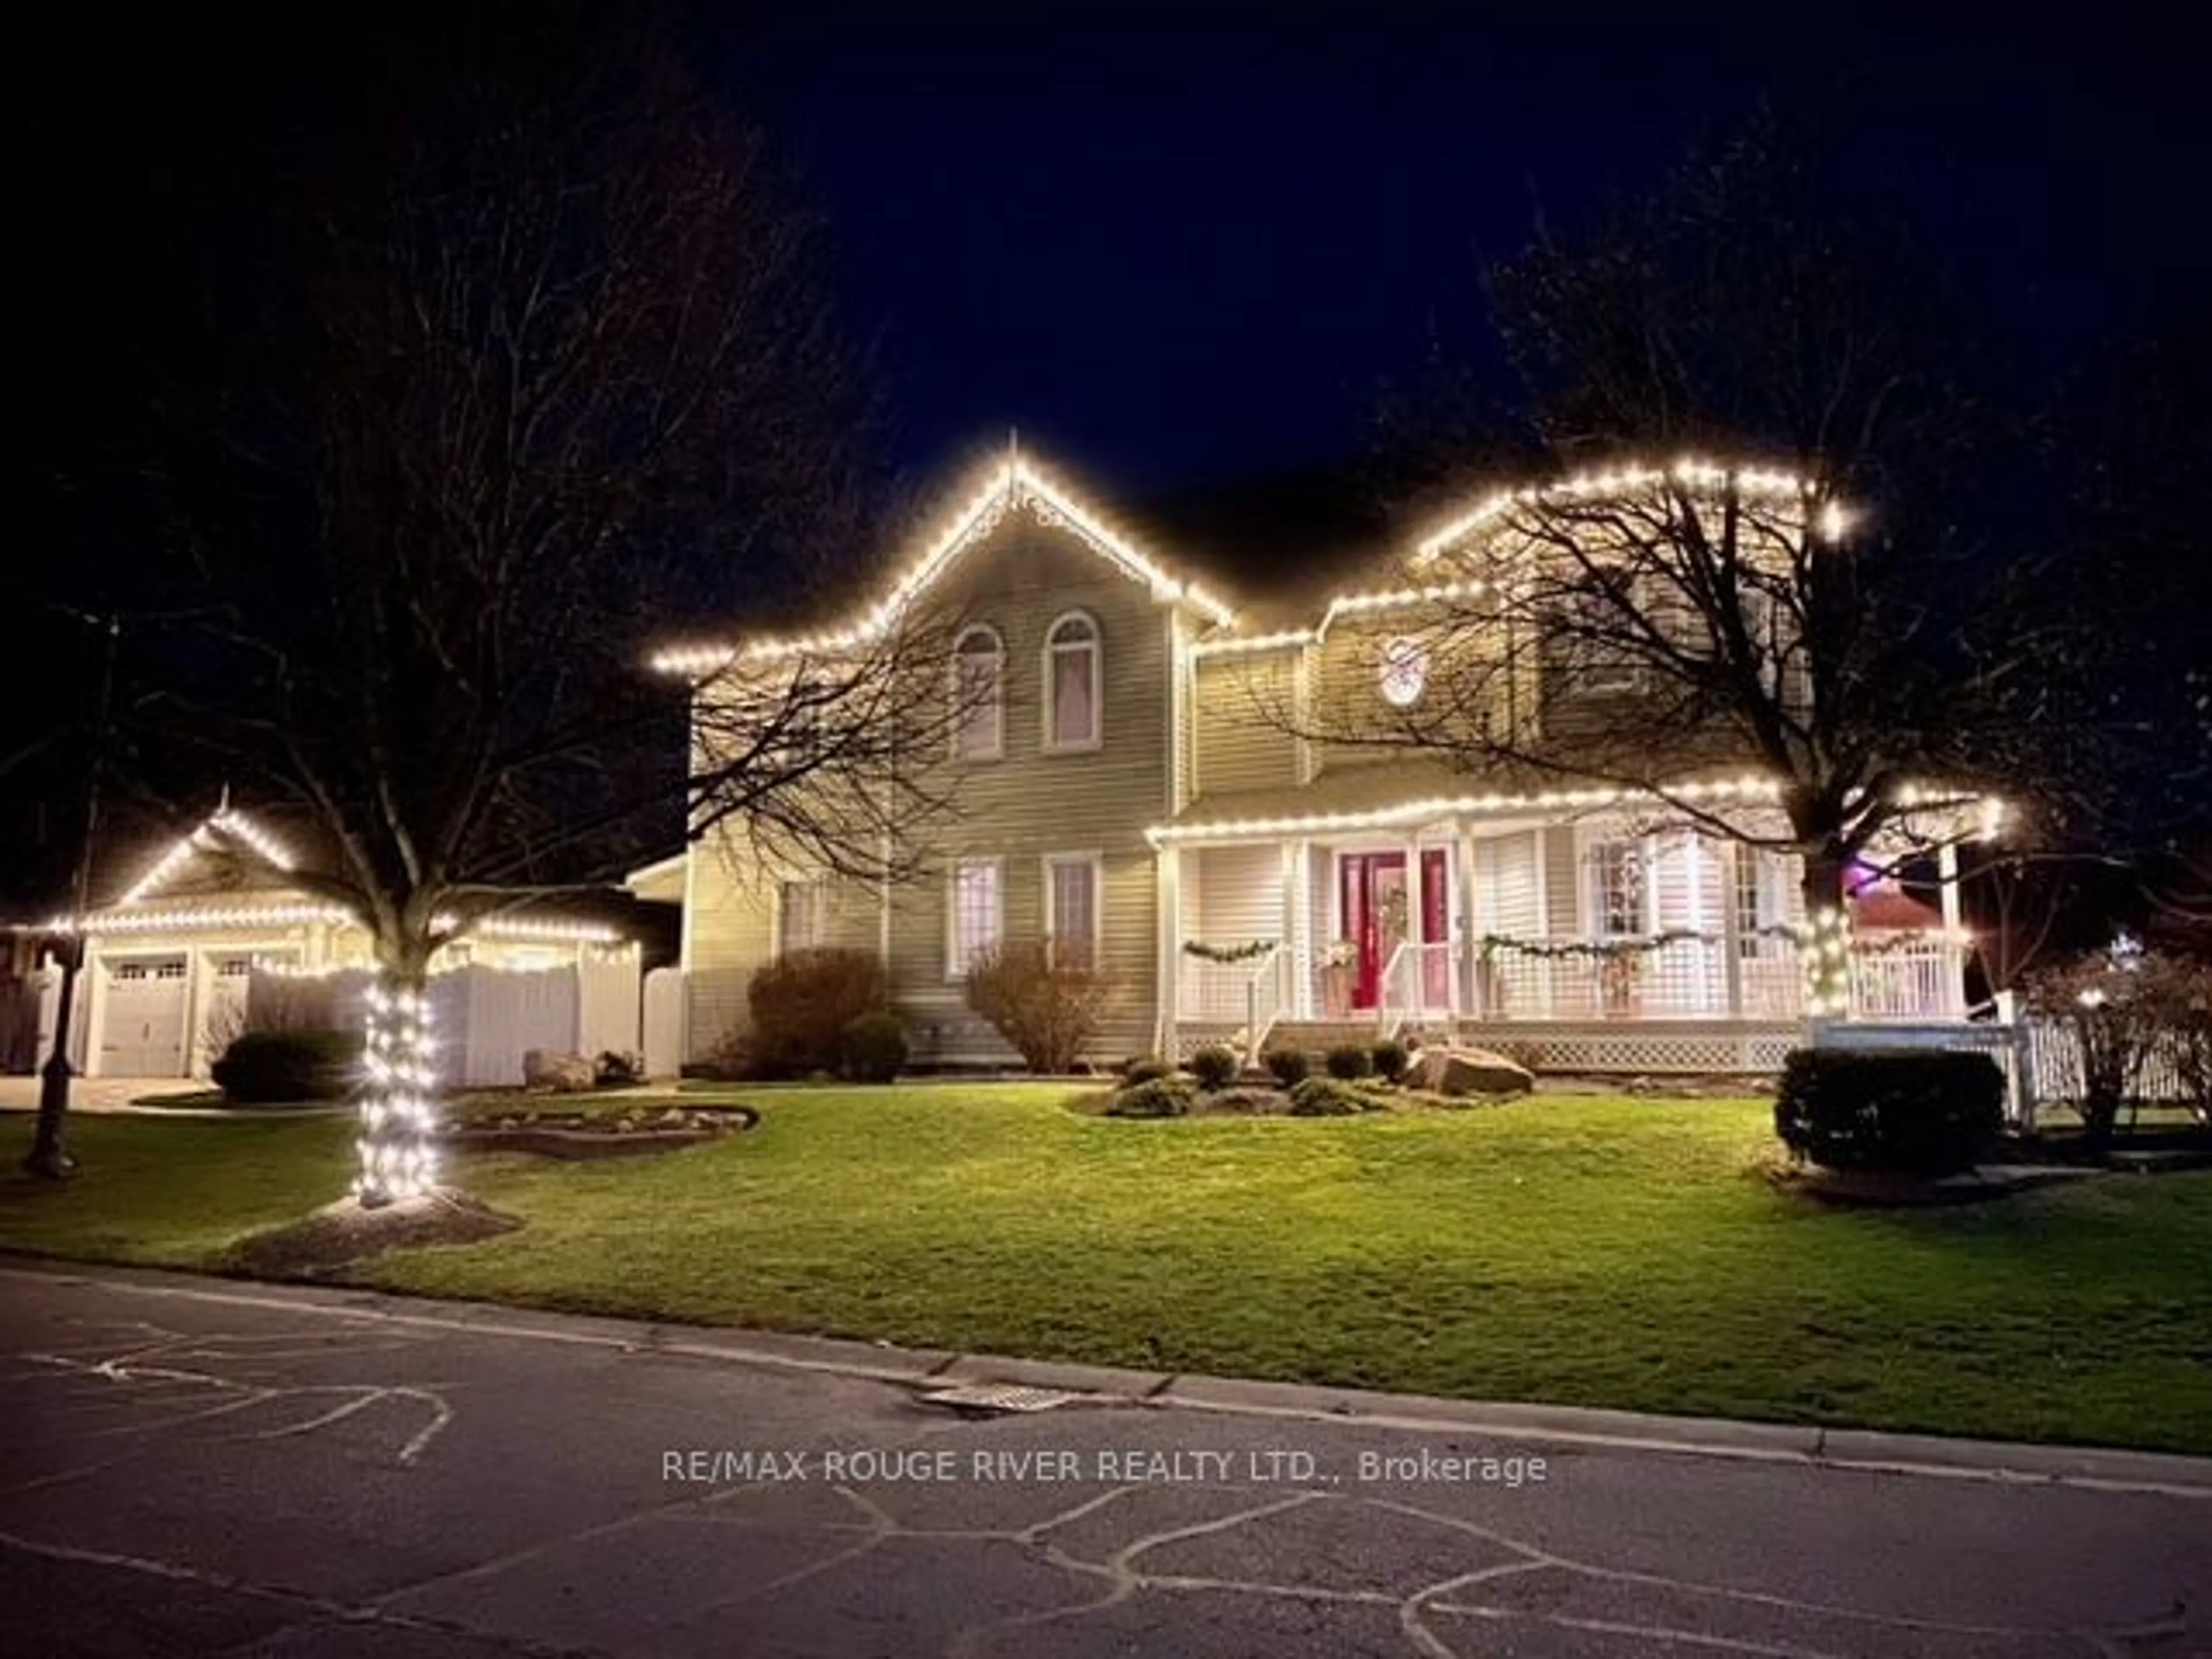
1318 1037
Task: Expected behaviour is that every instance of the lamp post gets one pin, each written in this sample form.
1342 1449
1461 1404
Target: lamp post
47 1156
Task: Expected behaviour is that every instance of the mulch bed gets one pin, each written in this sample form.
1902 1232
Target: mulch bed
345 1232
578 1135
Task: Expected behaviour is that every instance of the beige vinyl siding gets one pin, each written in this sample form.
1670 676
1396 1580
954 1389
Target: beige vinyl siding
1244 712
1185 691
1033 802
730 922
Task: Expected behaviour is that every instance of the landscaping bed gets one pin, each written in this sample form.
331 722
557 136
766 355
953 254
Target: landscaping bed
625 1131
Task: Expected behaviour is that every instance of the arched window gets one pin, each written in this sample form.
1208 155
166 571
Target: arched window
1072 682
979 695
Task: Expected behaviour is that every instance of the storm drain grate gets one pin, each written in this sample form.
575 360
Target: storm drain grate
996 1397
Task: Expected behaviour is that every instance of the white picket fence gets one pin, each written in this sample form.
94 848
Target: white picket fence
485 1019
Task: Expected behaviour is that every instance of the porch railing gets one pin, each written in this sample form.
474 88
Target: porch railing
1252 994
1416 984
1692 979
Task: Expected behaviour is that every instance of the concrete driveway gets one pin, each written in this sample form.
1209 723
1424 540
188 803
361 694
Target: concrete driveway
196 1466
96 1094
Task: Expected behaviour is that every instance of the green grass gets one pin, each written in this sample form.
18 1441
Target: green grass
1588 1251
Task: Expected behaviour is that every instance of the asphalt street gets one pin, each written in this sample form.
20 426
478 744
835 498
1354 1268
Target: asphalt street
195 1468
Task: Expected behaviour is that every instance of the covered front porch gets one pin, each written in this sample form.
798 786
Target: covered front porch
1590 940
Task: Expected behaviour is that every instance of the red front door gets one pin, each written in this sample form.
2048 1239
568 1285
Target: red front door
1376 910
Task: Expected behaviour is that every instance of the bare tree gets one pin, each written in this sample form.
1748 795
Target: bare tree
565 378
1768 569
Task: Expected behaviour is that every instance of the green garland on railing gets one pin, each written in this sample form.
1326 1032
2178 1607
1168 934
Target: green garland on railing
1229 955
1613 948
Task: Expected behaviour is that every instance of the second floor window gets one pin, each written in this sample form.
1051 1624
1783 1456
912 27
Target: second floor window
1072 683
978 694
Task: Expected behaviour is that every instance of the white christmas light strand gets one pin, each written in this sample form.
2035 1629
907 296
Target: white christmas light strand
1009 484
398 1116
1613 483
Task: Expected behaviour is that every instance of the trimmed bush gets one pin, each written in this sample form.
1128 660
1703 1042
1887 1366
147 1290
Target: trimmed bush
872 1048
1288 1067
1050 1010
1902 1111
619 1071
1329 1096
1214 1067
1392 1061
1159 1097
801 1004
1349 1063
1143 1068
262 1068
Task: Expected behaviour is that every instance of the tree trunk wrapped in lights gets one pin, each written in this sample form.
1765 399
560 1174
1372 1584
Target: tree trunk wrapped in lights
399 1100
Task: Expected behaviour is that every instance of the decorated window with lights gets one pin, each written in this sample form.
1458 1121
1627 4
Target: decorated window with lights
976 917
979 695
1404 673
1072 682
1071 909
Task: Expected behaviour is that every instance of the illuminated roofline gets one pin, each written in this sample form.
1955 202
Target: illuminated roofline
1990 808
1627 479
1014 482
224 821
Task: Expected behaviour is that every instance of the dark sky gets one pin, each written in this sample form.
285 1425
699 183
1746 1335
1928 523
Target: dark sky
1176 252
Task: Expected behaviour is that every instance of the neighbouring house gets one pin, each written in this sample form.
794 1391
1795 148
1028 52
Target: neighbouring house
192 942
1136 783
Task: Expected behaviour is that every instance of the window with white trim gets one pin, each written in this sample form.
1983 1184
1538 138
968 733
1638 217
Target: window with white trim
1762 899
979 695
1619 902
1072 918
799 921
976 911
1072 683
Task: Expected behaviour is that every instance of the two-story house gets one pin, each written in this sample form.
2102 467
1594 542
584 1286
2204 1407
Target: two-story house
1143 772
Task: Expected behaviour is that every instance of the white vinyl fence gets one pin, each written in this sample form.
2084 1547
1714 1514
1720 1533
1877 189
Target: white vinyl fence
484 1019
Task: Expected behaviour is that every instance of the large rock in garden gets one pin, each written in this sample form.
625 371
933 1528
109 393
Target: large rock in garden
1468 1072
558 1073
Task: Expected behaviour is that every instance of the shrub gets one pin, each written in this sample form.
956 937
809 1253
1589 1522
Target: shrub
1215 1067
801 1004
871 1048
2113 1018
2180 992
1349 1063
1050 1010
1908 1111
619 1071
1288 1067
1329 1096
1143 1068
1159 1097
1392 1061
260 1068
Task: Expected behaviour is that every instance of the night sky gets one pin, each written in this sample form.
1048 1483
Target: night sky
1175 253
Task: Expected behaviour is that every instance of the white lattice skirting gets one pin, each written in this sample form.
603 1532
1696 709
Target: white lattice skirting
1646 1046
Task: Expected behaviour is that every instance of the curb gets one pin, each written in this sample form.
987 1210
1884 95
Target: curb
1596 1429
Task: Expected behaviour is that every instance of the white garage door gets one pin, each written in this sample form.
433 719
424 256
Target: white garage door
142 1025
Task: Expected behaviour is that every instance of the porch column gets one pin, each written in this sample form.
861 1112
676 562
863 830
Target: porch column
92 986
1954 954
1300 940
1464 943
1731 866
1168 906
1416 908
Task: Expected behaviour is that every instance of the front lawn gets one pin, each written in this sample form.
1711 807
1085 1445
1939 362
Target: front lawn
1583 1250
